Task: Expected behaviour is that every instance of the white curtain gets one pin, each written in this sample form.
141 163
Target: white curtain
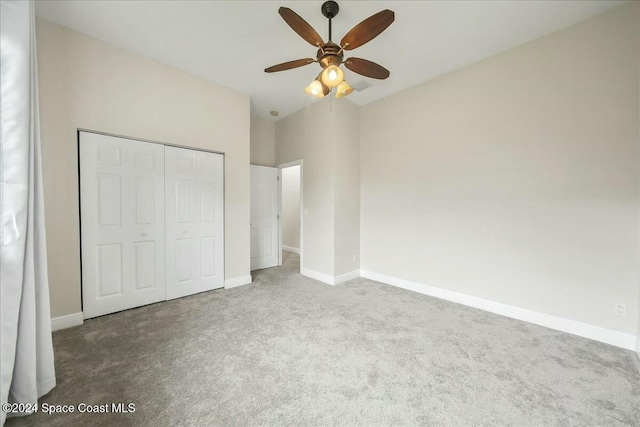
26 365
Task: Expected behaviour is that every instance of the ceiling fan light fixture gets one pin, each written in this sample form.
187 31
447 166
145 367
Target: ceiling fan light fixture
332 76
330 55
343 89
317 89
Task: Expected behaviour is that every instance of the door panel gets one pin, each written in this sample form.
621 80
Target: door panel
145 262
267 241
194 221
121 203
109 199
264 217
207 252
145 206
183 260
109 270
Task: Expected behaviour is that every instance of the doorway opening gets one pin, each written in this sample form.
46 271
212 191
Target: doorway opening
291 215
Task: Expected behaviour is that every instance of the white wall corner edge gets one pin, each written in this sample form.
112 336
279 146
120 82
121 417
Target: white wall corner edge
67 321
330 280
237 281
596 333
291 249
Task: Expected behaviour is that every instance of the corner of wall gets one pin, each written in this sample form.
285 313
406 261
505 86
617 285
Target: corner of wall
346 128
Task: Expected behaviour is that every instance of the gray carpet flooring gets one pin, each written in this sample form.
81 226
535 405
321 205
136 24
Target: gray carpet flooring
288 350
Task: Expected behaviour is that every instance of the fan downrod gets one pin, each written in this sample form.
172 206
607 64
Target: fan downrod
330 9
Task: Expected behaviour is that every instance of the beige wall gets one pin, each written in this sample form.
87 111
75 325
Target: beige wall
346 135
331 181
85 83
291 207
263 142
297 137
516 179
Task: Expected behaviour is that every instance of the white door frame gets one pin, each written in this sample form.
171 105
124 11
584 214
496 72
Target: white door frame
283 166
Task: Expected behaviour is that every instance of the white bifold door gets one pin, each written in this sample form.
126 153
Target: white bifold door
151 222
122 221
265 231
194 226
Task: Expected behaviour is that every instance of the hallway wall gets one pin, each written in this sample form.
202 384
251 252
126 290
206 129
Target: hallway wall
291 207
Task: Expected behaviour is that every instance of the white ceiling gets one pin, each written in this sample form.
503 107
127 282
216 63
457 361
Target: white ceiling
231 42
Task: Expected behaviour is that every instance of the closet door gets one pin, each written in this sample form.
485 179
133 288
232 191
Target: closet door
194 195
122 223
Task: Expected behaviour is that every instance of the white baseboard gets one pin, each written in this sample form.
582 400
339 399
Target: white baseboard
68 321
346 277
237 281
608 336
324 278
329 280
291 249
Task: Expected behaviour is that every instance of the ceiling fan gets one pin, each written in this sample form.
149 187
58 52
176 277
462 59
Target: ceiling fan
331 55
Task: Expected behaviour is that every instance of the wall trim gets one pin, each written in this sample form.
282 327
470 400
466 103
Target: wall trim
329 280
324 278
237 281
291 249
346 277
67 321
608 336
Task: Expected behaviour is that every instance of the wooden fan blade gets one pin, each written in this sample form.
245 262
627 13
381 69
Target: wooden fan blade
367 30
367 68
300 26
289 65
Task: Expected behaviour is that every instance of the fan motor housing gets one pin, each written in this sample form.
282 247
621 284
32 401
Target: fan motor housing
330 54
330 9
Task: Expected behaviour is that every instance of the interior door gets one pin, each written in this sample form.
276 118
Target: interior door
194 195
122 223
265 233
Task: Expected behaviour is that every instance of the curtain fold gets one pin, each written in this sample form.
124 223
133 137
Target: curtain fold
26 364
